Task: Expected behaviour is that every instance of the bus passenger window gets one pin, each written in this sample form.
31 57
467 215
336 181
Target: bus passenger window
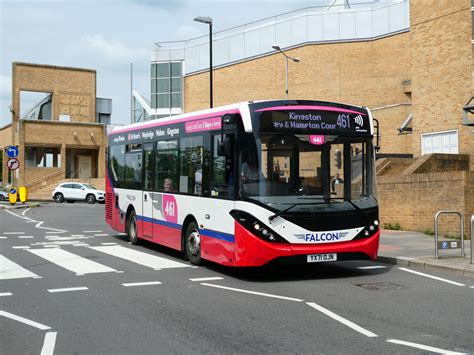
222 182
192 166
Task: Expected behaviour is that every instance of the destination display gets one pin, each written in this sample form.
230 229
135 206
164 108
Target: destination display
334 122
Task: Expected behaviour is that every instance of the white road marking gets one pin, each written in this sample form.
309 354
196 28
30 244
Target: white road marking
55 230
101 235
3 237
423 347
4 294
471 286
13 233
77 235
25 211
142 283
108 243
70 289
342 320
51 246
21 247
253 292
25 237
49 343
371 267
138 257
70 261
91 231
431 277
11 270
24 320
50 232
207 279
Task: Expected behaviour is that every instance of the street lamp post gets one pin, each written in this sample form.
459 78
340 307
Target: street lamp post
208 20
294 59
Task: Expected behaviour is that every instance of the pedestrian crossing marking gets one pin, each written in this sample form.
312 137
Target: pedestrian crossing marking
11 270
70 261
138 257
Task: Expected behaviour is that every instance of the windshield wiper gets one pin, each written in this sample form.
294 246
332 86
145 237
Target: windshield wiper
279 213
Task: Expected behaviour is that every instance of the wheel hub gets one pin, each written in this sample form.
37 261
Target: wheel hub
194 242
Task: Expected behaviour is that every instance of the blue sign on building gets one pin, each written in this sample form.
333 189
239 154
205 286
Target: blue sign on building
12 151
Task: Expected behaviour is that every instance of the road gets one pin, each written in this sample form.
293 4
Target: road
70 284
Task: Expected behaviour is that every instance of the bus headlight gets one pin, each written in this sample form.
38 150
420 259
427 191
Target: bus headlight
368 231
256 227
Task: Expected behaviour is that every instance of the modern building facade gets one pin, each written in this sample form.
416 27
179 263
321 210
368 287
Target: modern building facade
411 62
61 137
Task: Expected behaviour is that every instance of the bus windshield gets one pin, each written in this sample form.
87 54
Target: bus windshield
309 173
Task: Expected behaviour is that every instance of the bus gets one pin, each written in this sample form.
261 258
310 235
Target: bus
249 184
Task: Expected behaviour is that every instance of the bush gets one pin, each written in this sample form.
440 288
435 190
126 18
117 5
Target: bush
396 226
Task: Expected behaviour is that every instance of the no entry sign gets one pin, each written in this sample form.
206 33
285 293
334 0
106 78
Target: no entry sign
13 163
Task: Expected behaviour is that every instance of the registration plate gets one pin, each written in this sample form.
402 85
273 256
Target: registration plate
320 258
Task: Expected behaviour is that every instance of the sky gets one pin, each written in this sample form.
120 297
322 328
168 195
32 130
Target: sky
108 35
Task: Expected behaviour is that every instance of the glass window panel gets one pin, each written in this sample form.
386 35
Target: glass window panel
133 170
153 70
191 164
163 85
176 85
175 100
163 101
163 70
176 69
117 163
153 86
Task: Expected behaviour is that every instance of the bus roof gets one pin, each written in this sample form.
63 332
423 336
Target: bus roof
242 108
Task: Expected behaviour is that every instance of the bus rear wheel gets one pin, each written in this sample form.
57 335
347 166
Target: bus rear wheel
192 244
132 228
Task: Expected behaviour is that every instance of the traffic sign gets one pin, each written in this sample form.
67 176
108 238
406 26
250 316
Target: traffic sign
13 163
12 190
12 151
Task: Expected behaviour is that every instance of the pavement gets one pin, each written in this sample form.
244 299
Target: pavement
417 250
406 248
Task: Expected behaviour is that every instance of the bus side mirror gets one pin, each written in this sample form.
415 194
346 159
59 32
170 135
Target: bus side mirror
225 148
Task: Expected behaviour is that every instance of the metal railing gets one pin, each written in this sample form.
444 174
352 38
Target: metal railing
461 218
45 178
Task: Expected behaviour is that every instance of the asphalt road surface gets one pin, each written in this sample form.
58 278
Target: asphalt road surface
70 284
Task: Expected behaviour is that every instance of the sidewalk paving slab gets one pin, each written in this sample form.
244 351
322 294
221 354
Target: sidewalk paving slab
416 250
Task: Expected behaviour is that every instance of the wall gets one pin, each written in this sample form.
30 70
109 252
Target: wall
364 73
5 140
73 89
413 200
441 57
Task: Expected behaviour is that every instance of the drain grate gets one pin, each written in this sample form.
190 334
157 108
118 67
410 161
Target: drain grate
381 286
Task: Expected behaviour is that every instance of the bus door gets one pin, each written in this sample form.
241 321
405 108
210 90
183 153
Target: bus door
147 193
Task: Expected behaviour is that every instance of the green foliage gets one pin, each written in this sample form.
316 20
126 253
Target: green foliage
396 226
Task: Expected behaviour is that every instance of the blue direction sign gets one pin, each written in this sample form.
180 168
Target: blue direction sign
12 151
13 190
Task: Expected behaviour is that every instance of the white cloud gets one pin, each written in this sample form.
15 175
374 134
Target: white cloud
5 85
114 51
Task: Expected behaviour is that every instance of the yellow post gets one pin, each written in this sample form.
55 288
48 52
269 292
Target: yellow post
23 192
12 195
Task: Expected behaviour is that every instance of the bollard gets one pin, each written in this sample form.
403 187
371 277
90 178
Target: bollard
12 195
461 220
23 193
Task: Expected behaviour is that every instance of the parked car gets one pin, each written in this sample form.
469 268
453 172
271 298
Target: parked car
3 196
74 191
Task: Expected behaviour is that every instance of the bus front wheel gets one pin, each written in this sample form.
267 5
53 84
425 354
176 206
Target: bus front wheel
193 244
132 228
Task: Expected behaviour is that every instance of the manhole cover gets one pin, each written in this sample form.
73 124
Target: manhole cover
381 286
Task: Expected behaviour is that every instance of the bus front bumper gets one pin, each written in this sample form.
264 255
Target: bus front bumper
253 251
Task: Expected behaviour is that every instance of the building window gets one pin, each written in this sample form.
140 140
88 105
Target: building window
166 85
38 157
440 142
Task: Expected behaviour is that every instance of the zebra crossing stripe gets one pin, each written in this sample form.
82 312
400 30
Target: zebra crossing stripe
70 261
11 270
138 257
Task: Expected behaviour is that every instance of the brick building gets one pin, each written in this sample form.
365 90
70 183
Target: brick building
64 136
411 62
